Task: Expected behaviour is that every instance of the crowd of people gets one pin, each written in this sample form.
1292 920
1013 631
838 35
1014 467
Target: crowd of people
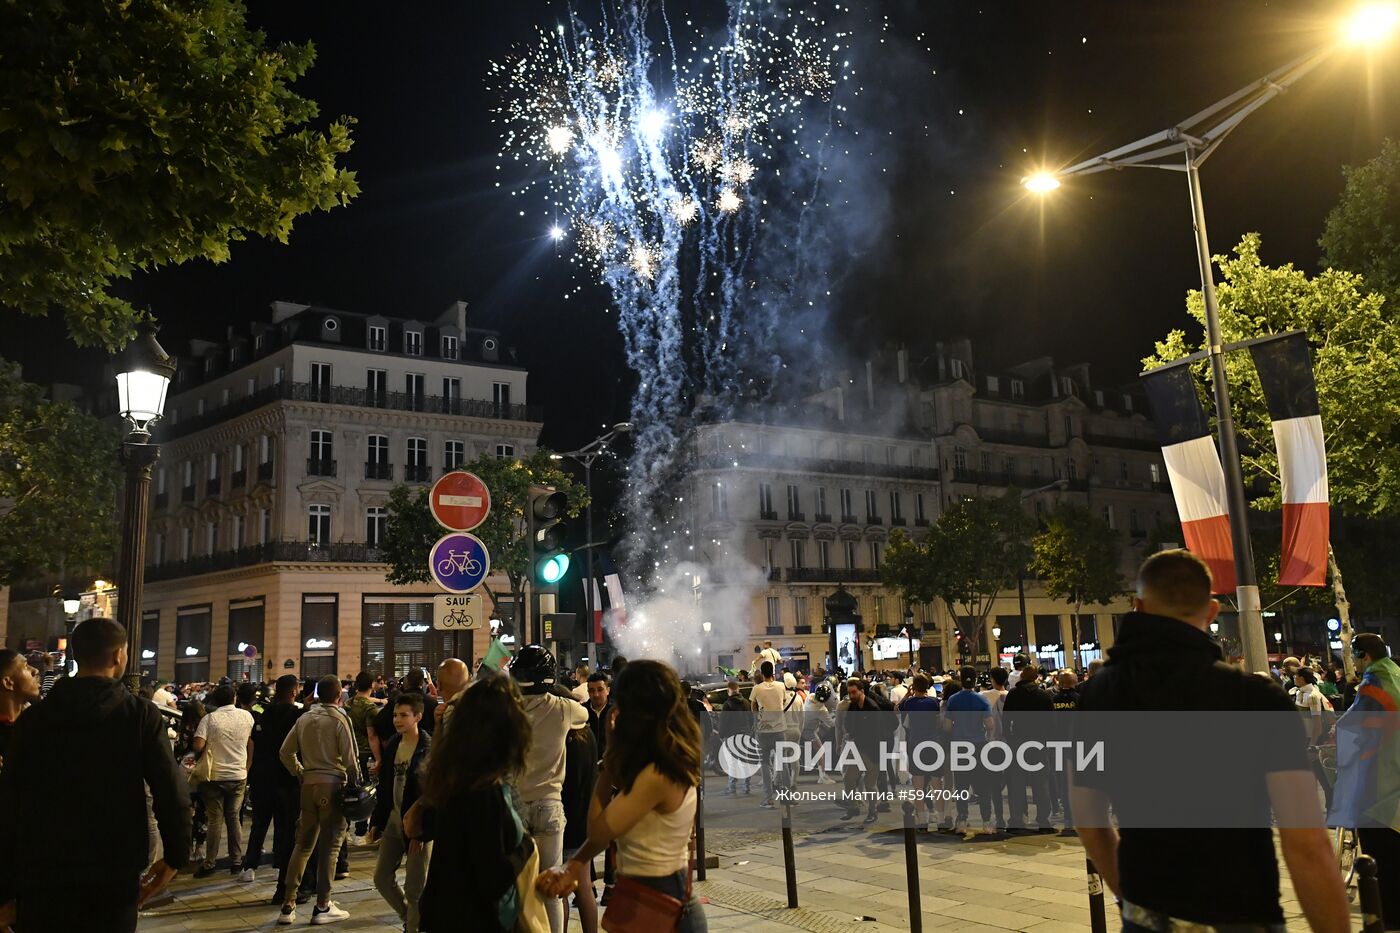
488 800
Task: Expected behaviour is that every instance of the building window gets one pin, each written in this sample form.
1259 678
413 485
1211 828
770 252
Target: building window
1018 389
890 454
258 342
500 397
413 388
994 385
416 463
223 397
1127 403
1067 386
192 642
1133 525
322 447
850 554
872 510
377 335
376 388
719 501
1123 469
318 636
199 406
211 537
321 382
824 555
186 543
454 454
413 342
896 513
1110 517
765 501
245 627
451 395
158 550
848 514
264 448
768 563
796 547
318 530
986 462
1156 473
264 526
238 464
919 515
279 375
376 523
449 347
505 451
959 460
794 503
378 448
956 368
876 552
1008 466
1071 469
213 465
879 609
822 513
237 541
799 610
160 481
1069 426
775 619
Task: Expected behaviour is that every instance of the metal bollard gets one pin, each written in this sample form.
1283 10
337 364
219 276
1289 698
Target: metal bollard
789 859
1098 923
911 870
1368 886
700 830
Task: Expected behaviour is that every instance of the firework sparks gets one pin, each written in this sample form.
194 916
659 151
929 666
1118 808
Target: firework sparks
728 201
560 139
739 172
685 209
643 260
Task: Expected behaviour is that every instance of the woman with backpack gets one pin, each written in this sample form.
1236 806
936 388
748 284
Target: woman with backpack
653 763
468 815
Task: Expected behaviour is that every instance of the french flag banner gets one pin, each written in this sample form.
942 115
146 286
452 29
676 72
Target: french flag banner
1290 390
1193 467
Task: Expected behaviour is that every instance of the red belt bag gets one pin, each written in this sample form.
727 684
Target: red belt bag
635 907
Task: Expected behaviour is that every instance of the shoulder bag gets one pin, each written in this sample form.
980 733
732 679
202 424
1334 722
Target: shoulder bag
639 908
203 768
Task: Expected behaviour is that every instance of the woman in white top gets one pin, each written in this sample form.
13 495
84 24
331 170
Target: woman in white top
645 796
1310 702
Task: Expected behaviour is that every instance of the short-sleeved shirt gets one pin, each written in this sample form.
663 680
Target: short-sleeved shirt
969 711
402 759
226 730
361 711
921 717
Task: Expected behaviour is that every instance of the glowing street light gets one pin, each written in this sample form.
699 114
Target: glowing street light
1041 182
1372 24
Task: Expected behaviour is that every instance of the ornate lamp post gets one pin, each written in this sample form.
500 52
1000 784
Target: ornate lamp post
143 376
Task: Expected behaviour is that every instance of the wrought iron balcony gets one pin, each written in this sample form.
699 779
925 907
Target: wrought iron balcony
315 466
417 473
376 470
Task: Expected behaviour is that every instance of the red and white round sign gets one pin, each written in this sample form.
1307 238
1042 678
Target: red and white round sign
459 501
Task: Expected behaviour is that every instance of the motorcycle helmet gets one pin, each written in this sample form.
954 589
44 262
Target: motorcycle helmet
534 669
822 692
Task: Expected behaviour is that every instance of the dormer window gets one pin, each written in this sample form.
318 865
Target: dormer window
377 337
449 348
413 342
1018 389
1068 387
258 342
993 384
1127 403
1098 397
956 368
208 365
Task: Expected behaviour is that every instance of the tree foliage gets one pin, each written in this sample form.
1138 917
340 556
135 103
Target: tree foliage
412 529
1077 557
59 479
140 135
1356 358
1362 233
976 550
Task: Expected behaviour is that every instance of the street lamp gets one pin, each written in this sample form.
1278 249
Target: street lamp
1215 628
143 376
585 456
1184 148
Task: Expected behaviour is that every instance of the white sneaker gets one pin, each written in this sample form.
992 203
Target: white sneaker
824 779
332 914
287 916
247 876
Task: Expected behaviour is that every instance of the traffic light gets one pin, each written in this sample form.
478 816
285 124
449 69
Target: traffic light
548 559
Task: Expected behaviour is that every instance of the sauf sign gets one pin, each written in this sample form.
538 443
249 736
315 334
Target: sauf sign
455 613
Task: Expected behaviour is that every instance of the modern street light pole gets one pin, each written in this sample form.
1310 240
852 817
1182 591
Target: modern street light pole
1195 139
143 376
584 457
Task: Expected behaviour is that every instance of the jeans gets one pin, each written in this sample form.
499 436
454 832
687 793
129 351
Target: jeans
222 801
392 850
768 745
544 819
275 802
859 777
318 829
693 920
1019 781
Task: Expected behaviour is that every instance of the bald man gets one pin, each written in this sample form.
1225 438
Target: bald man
453 677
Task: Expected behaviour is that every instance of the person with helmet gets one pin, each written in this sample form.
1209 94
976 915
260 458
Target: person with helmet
540 786
819 726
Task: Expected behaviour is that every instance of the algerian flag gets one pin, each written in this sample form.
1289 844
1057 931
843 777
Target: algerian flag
497 656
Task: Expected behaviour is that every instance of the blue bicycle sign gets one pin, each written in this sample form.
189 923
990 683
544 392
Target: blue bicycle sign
459 562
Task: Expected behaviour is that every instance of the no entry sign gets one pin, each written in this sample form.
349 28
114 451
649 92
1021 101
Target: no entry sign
459 501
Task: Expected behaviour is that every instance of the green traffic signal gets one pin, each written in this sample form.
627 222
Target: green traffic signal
552 569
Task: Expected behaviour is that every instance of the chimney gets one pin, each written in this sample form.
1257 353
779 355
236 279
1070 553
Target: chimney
901 358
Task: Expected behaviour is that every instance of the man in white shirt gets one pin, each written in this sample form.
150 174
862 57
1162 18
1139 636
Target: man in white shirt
769 653
581 691
897 689
163 696
227 734
770 701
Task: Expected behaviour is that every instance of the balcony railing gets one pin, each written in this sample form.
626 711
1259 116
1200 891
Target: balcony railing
768 515
802 630
291 551
1127 443
848 519
796 517
921 523
265 472
830 575
897 521
347 395
318 467
820 519
874 520
187 493
213 486
417 473
773 630
239 479
1018 438
374 470
815 465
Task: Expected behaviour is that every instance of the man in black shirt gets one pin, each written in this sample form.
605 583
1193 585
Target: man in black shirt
1025 717
1165 660
274 792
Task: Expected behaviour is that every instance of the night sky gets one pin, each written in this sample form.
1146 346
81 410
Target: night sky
953 247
